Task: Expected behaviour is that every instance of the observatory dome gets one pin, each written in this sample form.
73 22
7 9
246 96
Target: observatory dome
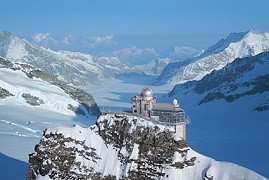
147 92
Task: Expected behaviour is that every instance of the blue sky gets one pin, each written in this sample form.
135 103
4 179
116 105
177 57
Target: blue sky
108 24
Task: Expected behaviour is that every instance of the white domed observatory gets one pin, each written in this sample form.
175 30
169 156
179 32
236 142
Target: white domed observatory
143 103
169 114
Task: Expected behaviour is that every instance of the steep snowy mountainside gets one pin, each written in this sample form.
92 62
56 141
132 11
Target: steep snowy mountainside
224 43
84 102
122 146
236 45
230 108
31 101
243 77
75 68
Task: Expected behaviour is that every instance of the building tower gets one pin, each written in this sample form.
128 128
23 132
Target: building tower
143 103
169 114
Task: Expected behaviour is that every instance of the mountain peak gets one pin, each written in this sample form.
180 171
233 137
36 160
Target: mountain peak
225 51
224 43
232 38
255 31
85 71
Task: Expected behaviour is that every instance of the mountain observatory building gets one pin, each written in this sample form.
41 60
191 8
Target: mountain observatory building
146 105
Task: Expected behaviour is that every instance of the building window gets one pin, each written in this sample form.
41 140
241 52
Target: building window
169 116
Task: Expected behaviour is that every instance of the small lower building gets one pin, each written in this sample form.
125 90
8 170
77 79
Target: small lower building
146 105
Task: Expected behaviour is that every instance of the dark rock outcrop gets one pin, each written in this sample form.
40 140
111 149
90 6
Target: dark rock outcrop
4 93
33 100
61 156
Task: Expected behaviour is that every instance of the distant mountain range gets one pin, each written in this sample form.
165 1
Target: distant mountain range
139 56
84 70
236 45
72 67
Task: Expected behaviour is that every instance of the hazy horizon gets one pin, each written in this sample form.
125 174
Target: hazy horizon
101 26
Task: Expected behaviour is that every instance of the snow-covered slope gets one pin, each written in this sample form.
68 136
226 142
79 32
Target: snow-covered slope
32 100
85 99
73 67
154 67
230 108
122 146
236 45
243 77
34 93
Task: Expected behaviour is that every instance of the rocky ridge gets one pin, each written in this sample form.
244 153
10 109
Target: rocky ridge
123 146
141 151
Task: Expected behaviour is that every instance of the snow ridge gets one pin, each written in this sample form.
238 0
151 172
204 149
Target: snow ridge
243 77
236 45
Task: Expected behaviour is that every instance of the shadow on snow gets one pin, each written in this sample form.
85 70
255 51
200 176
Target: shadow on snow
12 168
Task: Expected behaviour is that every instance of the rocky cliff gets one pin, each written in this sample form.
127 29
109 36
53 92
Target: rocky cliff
123 146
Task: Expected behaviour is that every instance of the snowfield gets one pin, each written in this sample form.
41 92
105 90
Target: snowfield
17 83
22 125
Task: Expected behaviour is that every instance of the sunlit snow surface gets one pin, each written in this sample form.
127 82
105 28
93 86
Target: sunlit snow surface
236 45
21 124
